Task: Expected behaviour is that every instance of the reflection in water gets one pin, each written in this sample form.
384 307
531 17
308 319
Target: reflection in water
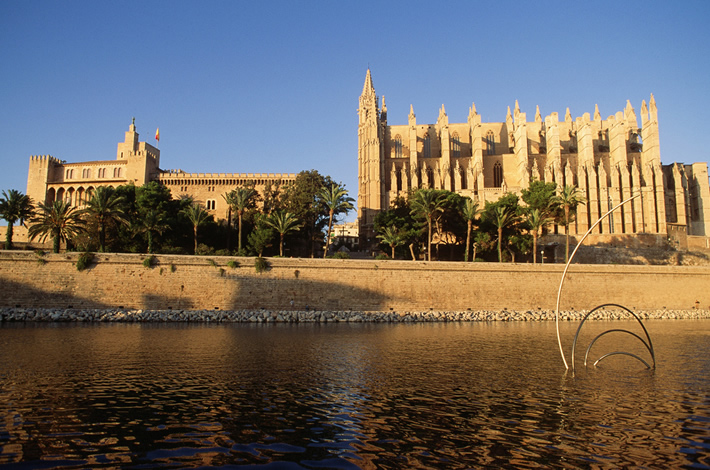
347 396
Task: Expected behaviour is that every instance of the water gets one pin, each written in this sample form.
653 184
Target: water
471 395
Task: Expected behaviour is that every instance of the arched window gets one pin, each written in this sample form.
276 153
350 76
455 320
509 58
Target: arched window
427 146
69 174
116 172
86 173
490 143
455 145
398 146
497 175
211 204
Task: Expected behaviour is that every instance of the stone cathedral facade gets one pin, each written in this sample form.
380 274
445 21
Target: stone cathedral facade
609 160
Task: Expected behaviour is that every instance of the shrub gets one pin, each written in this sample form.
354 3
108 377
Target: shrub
260 264
340 255
223 252
204 250
150 261
84 260
233 264
212 263
382 256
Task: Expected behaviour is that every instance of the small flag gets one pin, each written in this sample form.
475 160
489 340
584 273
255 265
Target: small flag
157 134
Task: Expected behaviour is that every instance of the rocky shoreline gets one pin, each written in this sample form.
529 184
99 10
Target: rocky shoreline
313 316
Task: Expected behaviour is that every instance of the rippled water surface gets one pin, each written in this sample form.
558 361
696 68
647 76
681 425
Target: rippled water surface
349 396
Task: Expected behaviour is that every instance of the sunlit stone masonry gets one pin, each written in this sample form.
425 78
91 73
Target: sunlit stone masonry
609 160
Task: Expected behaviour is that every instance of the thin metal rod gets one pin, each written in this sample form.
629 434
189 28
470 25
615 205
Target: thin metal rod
621 353
586 355
569 261
649 345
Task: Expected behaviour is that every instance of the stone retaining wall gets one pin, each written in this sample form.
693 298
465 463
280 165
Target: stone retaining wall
190 283
310 316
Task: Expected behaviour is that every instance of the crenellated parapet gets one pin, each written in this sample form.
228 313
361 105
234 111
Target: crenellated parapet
45 158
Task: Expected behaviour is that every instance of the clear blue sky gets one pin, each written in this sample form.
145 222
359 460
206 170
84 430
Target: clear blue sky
239 86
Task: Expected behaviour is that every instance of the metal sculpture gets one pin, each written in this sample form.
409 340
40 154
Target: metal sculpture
647 342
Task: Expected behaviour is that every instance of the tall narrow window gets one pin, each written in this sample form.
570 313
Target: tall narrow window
398 146
497 175
455 146
427 146
430 177
490 143
116 172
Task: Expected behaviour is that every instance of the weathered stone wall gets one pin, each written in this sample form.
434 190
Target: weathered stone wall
195 282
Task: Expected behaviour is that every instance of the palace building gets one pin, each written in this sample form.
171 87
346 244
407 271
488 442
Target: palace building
137 163
609 160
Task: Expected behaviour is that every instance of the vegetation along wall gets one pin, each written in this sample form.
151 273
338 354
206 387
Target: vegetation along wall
196 283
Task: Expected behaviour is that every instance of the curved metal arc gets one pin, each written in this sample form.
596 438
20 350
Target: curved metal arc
621 353
616 330
569 261
648 345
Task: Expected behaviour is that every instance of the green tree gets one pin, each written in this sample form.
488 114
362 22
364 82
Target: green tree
502 217
240 200
283 222
197 216
538 221
105 206
399 216
427 204
261 236
483 241
392 237
153 222
301 199
336 200
56 220
541 196
14 206
470 213
569 198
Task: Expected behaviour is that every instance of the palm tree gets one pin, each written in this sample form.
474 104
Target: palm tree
336 199
569 198
538 221
283 222
470 212
107 208
152 221
197 216
425 204
57 220
239 200
502 217
14 206
392 237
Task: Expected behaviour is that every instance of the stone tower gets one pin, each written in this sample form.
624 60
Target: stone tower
370 160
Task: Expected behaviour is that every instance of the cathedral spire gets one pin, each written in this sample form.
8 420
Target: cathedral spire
368 88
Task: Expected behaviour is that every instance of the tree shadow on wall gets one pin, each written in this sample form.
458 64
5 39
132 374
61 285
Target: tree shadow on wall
263 291
18 295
